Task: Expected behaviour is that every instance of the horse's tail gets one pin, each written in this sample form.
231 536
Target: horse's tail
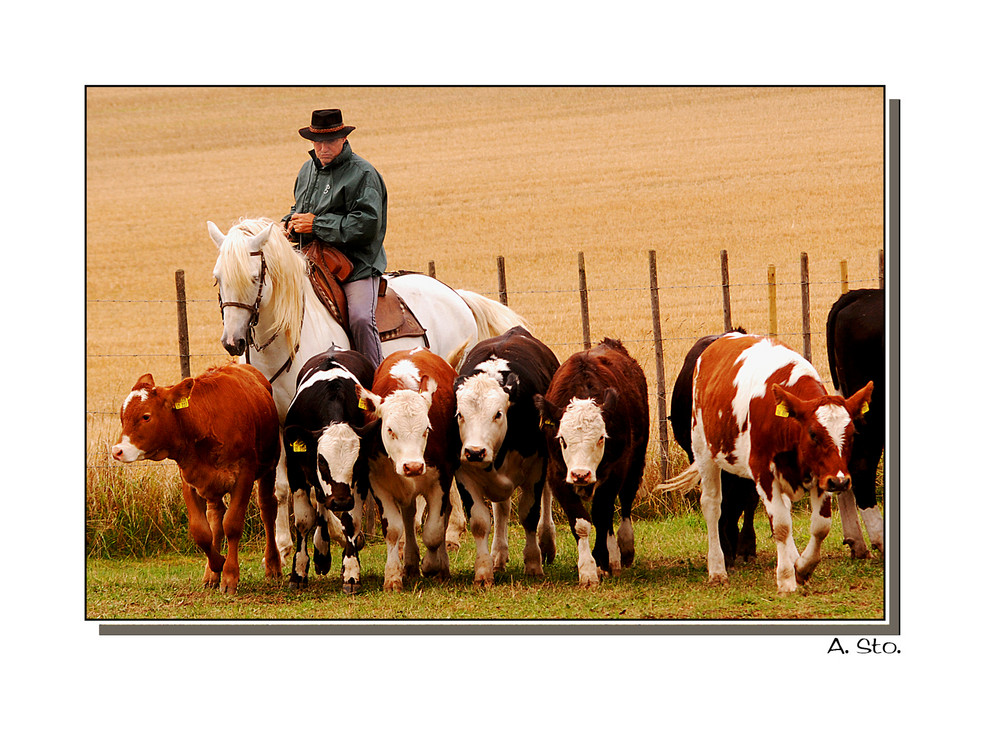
456 356
492 317
682 483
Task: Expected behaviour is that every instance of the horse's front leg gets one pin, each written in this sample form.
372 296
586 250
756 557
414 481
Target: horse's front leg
282 520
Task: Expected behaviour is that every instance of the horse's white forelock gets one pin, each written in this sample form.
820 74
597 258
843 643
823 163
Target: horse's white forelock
286 271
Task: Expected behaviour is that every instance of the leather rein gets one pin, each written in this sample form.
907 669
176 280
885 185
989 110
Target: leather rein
255 317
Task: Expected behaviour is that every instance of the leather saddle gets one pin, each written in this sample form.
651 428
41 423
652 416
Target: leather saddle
329 268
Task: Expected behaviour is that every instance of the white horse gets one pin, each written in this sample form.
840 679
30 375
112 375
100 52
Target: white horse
272 318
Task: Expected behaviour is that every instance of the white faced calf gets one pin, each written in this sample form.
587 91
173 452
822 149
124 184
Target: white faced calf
414 455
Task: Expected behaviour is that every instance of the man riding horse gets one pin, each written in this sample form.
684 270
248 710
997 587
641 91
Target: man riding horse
340 203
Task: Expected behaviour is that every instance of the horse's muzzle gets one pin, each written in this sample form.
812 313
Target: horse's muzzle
235 348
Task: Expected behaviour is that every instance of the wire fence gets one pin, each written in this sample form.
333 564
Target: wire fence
649 341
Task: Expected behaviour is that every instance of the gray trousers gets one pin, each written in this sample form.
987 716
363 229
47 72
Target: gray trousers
362 297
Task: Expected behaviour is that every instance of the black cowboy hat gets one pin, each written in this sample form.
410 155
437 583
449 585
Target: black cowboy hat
326 125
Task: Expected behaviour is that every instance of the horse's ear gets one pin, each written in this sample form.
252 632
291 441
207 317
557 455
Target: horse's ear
216 234
258 240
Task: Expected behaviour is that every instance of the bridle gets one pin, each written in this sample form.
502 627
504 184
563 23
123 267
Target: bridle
254 309
255 317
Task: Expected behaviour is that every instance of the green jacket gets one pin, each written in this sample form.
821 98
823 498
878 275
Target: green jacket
349 199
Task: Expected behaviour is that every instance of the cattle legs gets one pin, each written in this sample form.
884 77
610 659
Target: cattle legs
819 529
305 521
499 550
439 509
586 567
547 527
268 512
853 537
779 511
711 508
282 493
479 522
528 511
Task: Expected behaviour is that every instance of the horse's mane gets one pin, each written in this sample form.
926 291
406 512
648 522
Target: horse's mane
285 267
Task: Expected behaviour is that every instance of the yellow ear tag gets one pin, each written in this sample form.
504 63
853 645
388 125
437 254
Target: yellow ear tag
864 408
182 403
781 410
362 405
298 446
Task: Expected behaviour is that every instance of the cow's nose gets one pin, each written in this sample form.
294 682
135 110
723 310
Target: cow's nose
473 454
117 453
580 477
837 484
413 469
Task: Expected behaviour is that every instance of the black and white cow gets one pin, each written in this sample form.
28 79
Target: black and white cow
503 448
855 343
595 416
739 495
326 472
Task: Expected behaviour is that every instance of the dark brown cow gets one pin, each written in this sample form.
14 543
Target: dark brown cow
595 416
222 430
761 411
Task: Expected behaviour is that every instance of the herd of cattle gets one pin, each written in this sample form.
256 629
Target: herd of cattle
754 417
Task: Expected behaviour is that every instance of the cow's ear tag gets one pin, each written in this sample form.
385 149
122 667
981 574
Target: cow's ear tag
549 422
781 410
182 403
864 408
361 404
298 446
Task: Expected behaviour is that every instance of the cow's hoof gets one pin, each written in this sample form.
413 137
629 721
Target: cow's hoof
393 585
534 570
351 587
483 583
322 563
858 548
718 579
298 583
547 542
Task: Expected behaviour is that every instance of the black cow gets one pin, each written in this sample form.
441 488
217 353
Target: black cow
327 474
503 448
739 494
855 343
595 417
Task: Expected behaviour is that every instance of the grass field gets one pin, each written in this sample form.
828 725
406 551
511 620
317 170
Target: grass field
667 582
536 175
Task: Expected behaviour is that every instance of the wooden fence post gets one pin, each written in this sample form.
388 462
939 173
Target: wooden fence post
431 270
772 301
727 315
584 306
183 340
661 390
843 277
502 280
881 269
806 324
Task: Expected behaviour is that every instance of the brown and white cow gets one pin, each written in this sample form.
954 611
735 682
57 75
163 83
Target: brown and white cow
761 411
414 453
222 430
595 416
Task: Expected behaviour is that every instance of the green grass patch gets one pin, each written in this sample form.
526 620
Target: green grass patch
667 582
